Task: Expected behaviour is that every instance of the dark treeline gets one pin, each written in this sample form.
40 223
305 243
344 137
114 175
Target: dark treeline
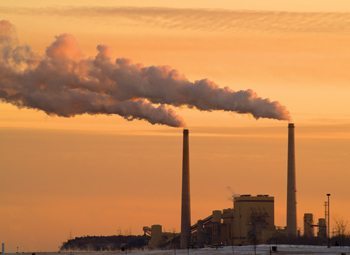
105 243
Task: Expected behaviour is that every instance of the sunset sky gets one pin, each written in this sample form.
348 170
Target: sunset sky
102 175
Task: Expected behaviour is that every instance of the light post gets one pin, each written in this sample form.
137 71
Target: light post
328 223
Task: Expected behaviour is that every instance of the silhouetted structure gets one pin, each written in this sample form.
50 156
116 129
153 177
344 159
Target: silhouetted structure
308 225
160 239
105 243
185 238
254 219
251 220
322 229
291 186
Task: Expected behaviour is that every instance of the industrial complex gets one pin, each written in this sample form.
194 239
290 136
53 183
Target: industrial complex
250 221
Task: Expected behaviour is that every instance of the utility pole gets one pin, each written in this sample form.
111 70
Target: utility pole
328 222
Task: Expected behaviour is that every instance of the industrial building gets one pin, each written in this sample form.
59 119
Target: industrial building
250 220
159 238
309 227
322 229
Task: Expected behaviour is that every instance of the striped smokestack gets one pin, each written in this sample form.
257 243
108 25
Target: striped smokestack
291 186
185 238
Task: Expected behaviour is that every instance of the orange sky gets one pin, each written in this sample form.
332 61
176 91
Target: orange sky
97 174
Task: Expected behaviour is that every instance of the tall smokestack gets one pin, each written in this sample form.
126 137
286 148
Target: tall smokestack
291 186
185 205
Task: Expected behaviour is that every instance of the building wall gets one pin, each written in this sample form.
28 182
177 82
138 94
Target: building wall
156 236
308 225
227 226
322 229
254 216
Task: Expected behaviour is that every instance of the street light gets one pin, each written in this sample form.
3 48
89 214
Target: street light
328 223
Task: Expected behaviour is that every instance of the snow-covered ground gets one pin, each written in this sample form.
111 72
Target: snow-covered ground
242 250
261 249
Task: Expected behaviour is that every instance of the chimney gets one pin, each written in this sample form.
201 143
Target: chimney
291 186
185 237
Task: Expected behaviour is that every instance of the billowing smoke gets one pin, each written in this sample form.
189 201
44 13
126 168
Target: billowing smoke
64 83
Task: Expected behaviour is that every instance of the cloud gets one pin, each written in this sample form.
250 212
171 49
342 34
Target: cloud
208 19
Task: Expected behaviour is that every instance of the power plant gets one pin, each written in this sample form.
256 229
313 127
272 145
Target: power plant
250 220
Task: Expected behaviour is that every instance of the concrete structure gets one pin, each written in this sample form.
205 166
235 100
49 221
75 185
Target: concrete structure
200 234
253 215
308 225
159 239
322 229
156 236
291 186
227 226
185 237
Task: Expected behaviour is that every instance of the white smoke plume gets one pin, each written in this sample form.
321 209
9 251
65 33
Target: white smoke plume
62 82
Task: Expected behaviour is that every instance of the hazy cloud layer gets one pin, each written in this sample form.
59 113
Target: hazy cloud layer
64 83
208 19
